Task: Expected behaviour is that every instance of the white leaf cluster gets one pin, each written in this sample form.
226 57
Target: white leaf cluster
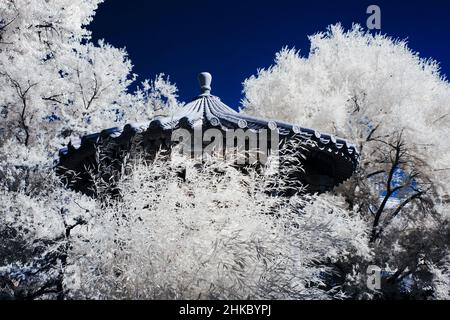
353 81
369 88
213 234
57 84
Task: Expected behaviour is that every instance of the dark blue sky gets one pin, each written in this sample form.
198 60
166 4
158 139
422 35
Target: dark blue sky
232 39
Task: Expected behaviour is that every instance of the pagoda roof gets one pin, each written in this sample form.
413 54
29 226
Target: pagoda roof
328 160
208 110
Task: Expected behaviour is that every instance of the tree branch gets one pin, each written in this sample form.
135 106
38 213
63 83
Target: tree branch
375 173
23 96
398 149
369 137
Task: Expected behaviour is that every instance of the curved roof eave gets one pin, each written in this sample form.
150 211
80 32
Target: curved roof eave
211 111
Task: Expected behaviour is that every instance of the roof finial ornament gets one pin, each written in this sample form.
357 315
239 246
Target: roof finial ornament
204 80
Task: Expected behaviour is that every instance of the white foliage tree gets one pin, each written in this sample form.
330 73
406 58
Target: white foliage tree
352 82
376 92
178 231
187 231
56 83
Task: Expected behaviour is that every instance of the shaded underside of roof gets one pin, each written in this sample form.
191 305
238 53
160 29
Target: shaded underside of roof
207 111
